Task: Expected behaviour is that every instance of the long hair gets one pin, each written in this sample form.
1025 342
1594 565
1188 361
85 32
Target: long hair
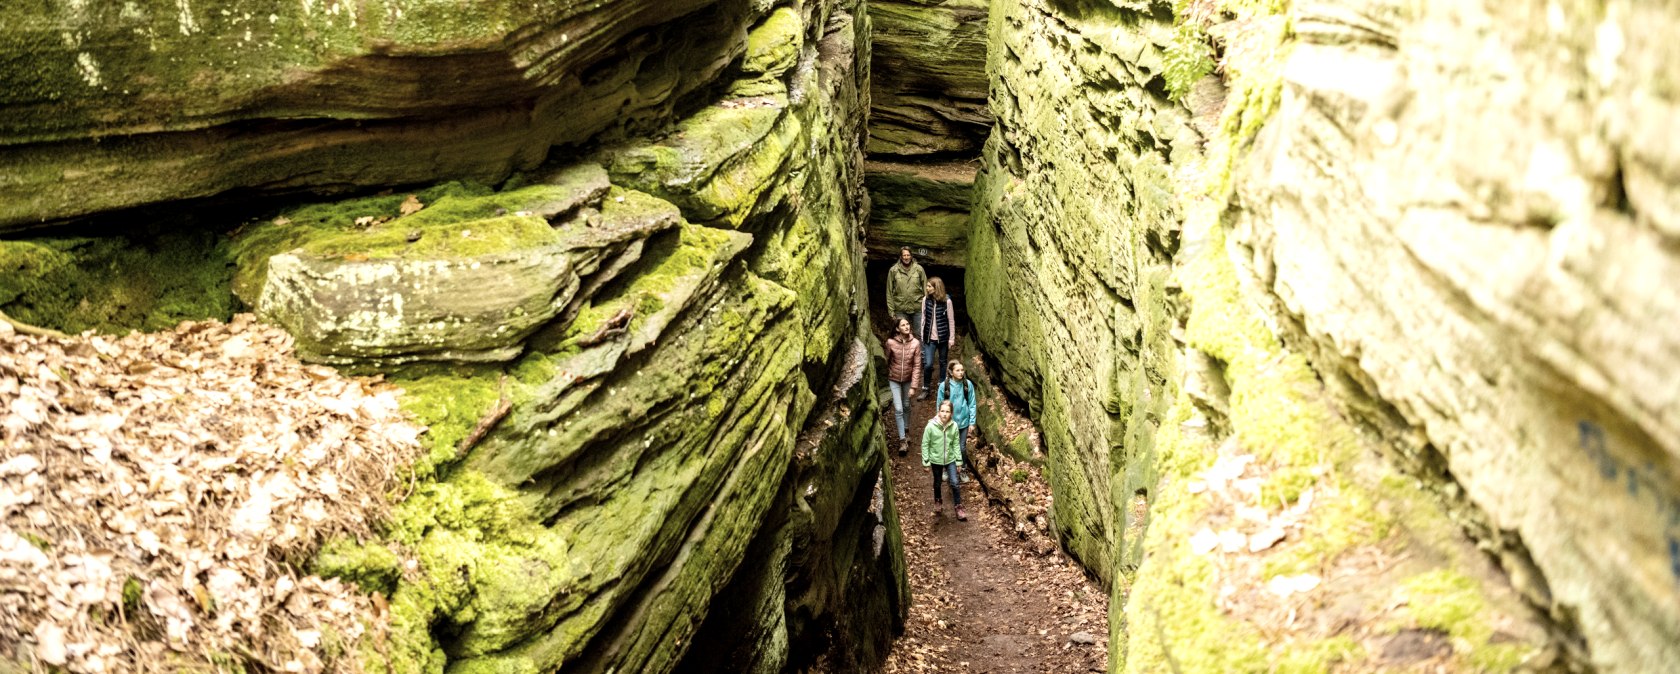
907 335
938 288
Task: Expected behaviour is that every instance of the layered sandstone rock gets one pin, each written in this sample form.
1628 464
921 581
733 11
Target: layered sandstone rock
673 460
1376 298
1482 268
928 120
928 78
118 105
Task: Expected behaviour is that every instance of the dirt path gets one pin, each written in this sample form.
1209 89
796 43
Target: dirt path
982 600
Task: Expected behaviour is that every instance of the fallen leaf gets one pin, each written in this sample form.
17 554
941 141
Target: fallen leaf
411 205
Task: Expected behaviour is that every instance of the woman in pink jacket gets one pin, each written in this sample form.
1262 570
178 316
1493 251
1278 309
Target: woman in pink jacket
904 375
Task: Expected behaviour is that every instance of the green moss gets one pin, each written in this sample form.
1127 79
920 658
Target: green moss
132 591
1188 58
774 45
1341 521
149 281
458 220
1319 657
1453 603
449 400
371 566
40 543
679 258
486 563
717 165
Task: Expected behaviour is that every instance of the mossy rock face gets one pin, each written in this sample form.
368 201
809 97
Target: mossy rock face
928 83
1345 344
154 100
923 206
722 165
682 482
115 284
475 308
466 277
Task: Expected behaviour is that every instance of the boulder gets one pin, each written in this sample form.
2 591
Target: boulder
455 273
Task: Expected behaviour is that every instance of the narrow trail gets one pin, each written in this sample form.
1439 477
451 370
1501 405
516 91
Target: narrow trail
982 600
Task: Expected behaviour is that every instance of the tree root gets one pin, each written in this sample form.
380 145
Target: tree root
27 329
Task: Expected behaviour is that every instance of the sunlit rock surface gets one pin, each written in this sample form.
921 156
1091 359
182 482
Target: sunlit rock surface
928 86
1402 263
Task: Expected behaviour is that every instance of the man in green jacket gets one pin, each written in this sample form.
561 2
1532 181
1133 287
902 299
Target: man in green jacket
905 283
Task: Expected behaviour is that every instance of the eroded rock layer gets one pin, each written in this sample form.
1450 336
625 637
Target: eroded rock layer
118 105
1353 353
928 119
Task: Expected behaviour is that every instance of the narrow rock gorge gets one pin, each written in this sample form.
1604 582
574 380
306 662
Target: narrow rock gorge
1347 327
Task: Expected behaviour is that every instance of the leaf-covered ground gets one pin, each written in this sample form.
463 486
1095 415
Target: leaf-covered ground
161 492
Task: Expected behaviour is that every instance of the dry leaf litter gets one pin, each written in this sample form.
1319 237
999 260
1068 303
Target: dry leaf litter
158 493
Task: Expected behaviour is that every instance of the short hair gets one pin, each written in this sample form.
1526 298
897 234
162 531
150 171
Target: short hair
946 404
905 249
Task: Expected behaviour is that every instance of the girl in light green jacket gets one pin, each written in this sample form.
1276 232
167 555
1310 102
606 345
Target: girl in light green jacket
941 452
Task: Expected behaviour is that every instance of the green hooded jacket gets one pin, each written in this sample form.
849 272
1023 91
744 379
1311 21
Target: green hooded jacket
941 443
905 287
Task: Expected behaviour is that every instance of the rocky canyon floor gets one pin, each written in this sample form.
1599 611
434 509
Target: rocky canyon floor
983 598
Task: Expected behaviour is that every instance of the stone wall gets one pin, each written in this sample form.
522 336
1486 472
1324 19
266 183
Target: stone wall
1351 353
1482 269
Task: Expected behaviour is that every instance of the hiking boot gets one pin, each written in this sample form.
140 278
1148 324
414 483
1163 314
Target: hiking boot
903 446
962 514
938 510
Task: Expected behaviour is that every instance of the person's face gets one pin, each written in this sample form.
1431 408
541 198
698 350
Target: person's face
903 327
904 258
929 287
957 372
945 412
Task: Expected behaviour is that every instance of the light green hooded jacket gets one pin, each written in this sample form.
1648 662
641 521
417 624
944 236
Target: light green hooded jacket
941 443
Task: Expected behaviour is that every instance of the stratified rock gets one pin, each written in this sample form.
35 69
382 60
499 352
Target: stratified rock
682 479
924 206
466 277
928 86
106 106
1466 216
459 308
722 165
1198 362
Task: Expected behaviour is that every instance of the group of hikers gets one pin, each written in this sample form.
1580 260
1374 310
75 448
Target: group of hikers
919 350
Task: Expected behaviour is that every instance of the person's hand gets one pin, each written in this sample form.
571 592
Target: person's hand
952 344
912 390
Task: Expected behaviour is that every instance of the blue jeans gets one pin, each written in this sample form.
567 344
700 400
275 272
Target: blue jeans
901 403
934 355
946 472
